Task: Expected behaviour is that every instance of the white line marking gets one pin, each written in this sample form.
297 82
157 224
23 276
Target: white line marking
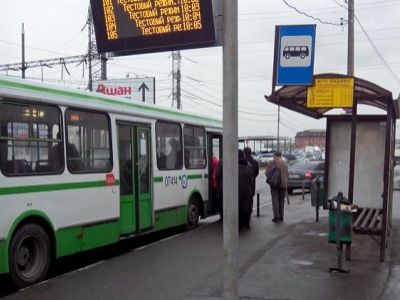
261 206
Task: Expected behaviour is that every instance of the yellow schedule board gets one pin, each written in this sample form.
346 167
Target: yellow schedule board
331 92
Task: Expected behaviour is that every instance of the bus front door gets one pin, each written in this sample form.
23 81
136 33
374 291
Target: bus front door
214 141
136 205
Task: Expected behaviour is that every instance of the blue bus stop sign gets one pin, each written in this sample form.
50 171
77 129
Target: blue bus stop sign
294 54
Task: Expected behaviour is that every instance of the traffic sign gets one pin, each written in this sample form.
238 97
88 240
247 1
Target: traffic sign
134 89
331 93
294 54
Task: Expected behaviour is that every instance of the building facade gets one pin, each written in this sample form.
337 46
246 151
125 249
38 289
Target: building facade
312 137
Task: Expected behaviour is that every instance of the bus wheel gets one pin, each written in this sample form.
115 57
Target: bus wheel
29 255
193 214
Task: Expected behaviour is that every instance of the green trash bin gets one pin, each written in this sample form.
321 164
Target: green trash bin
345 223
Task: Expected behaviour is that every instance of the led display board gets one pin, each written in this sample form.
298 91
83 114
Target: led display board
143 26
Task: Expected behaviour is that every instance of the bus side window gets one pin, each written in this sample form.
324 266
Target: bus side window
55 155
195 147
88 141
74 160
169 146
27 136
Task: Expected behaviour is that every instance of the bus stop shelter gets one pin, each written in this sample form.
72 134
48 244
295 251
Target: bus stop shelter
373 161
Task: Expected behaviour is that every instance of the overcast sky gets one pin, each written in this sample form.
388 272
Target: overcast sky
55 29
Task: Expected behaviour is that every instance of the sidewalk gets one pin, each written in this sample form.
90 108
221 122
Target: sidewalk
295 263
288 260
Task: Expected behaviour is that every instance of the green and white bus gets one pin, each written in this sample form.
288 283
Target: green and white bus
80 170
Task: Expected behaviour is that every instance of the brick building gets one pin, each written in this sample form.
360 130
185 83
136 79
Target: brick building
312 137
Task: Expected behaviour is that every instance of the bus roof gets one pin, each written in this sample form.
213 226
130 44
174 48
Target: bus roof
28 90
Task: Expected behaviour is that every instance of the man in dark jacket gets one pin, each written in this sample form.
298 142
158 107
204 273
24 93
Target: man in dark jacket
254 166
245 192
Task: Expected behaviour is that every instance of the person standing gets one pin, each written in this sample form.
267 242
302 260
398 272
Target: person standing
219 178
245 192
278 193
254 166
214 181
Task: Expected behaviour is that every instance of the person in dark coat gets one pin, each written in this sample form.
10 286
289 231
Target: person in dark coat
219 193
254 166
245 192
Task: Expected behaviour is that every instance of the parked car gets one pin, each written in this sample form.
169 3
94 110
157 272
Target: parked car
301 173
289 157
265 157
301 156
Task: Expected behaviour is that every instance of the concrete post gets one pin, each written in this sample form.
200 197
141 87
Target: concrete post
230 148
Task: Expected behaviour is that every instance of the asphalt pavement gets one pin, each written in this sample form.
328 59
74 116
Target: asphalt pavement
287 260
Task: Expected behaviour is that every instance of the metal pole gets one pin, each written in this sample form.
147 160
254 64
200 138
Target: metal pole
90 50
339 244
277 137
103 59
23 68
90 80
317 204
350 39
258 204
230 148
350 72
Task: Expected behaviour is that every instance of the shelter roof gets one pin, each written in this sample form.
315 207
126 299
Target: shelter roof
294 97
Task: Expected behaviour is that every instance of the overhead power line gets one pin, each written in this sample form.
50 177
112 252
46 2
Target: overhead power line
312 17
377 52
48 62
30 47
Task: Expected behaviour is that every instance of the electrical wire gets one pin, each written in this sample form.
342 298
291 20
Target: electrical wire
33 48
320 10
377 52
312 17
241 111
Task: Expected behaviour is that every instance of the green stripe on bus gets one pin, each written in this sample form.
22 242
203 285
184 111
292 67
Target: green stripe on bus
101 98
52 187
195 176
158 179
